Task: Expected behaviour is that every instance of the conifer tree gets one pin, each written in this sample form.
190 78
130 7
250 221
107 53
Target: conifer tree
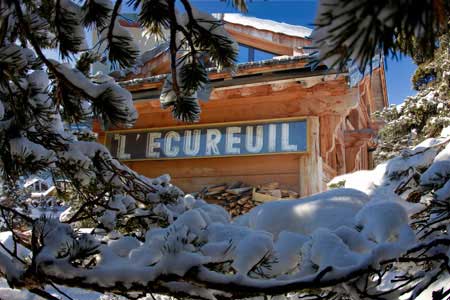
423 115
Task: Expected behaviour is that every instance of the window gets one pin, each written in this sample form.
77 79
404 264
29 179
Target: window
248 54
44 186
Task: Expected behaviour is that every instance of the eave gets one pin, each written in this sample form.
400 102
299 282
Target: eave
254 73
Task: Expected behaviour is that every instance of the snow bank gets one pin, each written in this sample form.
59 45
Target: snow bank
394 179
384 222
326 210
6 239
441 283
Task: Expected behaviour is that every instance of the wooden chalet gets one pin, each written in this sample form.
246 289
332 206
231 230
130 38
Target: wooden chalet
272 119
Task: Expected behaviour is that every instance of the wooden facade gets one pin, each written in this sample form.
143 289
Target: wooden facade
340 133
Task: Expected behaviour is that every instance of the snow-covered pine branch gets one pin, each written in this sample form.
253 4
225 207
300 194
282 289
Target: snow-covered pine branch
359 30
368 231
339 238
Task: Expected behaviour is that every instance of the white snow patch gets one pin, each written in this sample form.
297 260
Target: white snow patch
22 147
327 249
251 250
439 171
263 24
385 221
443 193
330 209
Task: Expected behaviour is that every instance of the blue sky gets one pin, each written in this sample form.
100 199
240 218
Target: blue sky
302 12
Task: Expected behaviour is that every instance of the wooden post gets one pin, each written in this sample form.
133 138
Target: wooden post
310 165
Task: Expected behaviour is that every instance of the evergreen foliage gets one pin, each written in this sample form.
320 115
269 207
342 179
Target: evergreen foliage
359 30
423 115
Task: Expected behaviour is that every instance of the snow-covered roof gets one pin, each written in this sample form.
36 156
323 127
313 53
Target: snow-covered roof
35 178
278 60
153 52
44 193
263 24
31 181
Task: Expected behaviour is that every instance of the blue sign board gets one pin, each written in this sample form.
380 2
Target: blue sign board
227 139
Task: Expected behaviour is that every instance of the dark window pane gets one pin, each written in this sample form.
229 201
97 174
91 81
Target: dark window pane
248 54
263 55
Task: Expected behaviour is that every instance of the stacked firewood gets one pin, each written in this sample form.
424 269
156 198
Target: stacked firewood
238 198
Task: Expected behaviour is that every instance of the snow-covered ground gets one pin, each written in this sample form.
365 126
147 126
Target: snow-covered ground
7 293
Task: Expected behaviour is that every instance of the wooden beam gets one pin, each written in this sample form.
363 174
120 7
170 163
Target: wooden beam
357 138
310 166
146 91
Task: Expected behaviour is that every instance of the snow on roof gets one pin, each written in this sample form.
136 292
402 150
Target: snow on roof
30 181
35 178
278 60
263 24
43 194
152 53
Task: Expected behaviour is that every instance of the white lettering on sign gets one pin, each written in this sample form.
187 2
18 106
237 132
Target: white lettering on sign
248 139
254 144
152 144
213 137
233 138
285 146
272 138
122 140
191 145
169 149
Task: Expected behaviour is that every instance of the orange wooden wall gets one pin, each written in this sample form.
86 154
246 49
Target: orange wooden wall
260 102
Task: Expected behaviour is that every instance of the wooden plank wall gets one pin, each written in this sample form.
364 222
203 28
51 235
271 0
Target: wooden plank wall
194 174
298 172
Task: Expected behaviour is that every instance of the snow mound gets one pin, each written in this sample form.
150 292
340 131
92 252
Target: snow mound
394 179
326 210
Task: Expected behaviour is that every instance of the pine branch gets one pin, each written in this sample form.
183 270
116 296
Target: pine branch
96 14
43 294
154 16
37 48
173 47
67 25
61 291
193 74
239 4
357 30
28 219
119 47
